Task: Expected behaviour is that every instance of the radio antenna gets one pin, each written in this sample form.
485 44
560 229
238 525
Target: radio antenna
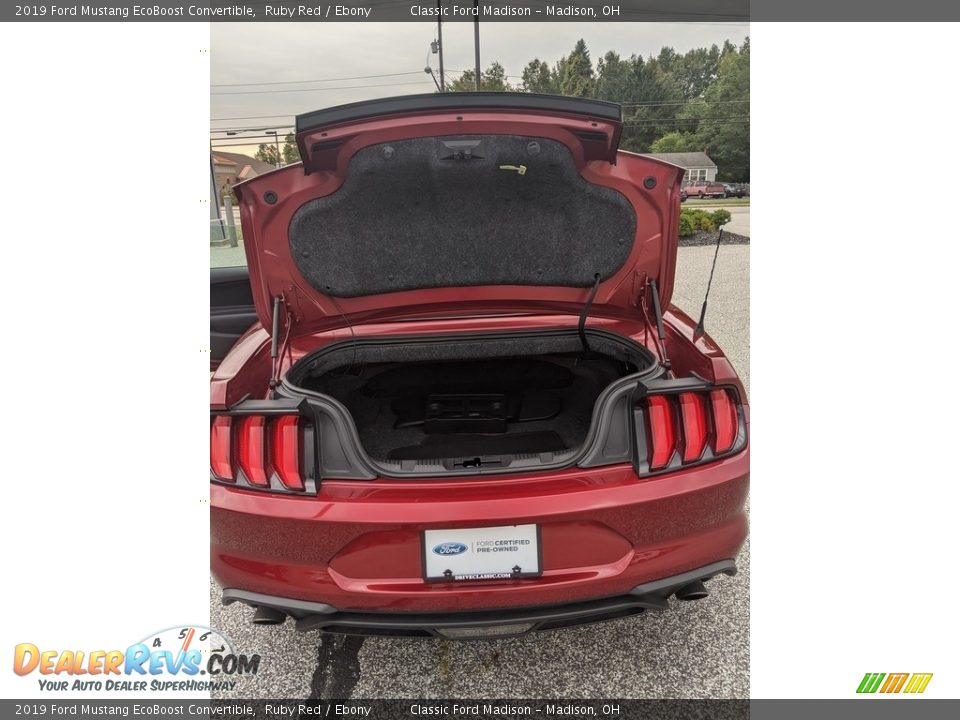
703 310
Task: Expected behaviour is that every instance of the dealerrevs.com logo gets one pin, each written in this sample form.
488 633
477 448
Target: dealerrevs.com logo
911 683
181 659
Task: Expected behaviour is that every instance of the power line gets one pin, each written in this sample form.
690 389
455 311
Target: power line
705 119
685 123
323 89
229 145
681 126
685 102
249 137
299 82
250 129
252 117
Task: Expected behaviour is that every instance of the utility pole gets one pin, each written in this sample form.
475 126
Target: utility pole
215 215
476 43
440 44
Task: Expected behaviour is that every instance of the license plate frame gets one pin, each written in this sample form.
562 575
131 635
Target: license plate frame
469 565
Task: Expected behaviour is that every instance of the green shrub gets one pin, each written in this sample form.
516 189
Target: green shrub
693 220
721 217
705 221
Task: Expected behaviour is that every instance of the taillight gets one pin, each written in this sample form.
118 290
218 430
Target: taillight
286 451
259 451
220 447
725 422
252 456
700 425
694 419
662 438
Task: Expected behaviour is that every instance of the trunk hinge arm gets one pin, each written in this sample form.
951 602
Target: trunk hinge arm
284 318
660 335
582 324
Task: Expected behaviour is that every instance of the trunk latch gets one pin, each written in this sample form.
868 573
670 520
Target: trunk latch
476 463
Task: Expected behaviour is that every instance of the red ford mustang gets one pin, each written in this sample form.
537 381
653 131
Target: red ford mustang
467 406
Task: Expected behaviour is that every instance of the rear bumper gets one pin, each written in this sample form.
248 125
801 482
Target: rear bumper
356 546
479 625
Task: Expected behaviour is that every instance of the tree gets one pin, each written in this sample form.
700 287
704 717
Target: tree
493 79
537 78
267 152
464 83
615 80
675 142
694 72
576 72
652 106
290 152
723 118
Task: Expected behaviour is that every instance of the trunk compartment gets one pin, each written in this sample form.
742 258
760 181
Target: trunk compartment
470 402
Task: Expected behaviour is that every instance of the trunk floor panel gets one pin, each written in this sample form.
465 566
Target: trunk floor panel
385 401
455 446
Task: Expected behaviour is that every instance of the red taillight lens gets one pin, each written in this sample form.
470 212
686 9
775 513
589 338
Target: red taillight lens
725 421
688 422
286 451
251 451
694 418
220 447
662 438
254 448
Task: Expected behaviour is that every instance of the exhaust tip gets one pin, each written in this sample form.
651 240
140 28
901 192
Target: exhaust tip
693 591
268 616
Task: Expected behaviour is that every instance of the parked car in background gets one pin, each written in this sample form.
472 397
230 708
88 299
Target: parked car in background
737 190
705 188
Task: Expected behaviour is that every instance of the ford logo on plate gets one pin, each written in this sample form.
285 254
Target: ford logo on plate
450 548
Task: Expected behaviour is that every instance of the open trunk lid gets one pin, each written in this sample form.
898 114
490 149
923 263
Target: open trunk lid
459 204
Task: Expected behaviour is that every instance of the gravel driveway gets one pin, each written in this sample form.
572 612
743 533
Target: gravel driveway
693 650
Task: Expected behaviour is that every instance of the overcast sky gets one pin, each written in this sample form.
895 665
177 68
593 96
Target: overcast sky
284 52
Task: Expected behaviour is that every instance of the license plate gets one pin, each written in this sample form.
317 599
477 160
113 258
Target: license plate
491 553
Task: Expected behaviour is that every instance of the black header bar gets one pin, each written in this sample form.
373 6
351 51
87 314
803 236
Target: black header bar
738 11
